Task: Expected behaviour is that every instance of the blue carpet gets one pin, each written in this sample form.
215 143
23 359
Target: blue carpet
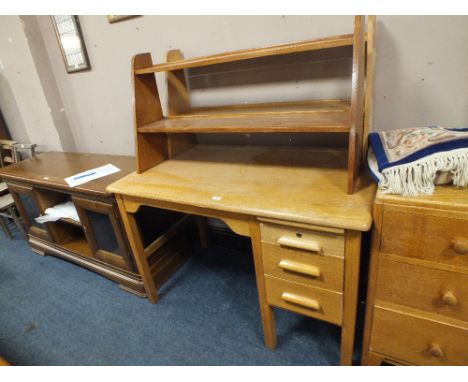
53 312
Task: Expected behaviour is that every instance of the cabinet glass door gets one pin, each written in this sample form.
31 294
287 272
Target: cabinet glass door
103 232
28 208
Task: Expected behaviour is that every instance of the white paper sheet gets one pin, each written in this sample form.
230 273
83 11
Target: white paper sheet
91 174
62 210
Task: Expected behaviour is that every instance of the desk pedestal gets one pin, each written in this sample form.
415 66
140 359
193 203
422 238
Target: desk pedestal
306 269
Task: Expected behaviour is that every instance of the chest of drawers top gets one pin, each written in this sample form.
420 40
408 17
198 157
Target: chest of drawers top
444 197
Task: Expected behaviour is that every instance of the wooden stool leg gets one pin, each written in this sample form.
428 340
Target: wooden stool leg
371 359
351 281
5 228
202 224
266 313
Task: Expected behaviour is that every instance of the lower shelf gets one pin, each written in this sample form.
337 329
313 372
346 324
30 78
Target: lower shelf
320 116
78 245
130 281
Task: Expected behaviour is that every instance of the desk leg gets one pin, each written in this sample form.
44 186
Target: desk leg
268 320
202 225
367 358
351 284
138 250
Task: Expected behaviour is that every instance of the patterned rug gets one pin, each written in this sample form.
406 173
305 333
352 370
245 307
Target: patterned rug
411 161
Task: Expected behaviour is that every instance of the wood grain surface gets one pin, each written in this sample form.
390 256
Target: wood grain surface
295 184
49 170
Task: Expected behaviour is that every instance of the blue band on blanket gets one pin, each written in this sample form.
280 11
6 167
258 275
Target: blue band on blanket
383 163
411 161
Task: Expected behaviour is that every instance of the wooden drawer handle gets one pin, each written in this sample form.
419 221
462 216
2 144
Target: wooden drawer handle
460 246
449 298
436 350
300 300
308 245
305 269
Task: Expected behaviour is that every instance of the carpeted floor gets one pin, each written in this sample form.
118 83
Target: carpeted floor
55 313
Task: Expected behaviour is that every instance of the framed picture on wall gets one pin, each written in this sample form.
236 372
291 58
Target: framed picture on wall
115 18
70 39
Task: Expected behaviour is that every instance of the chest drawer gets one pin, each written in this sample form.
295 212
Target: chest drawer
309 301
427 236
327 242
416 340
432 290
309 268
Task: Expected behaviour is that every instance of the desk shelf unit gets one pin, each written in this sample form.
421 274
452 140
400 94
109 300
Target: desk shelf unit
160 137
303 208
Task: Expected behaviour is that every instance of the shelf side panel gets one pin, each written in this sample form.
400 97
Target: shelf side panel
357 104
178 102
369 97
150 149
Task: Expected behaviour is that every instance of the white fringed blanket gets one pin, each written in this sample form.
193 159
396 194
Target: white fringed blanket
410 161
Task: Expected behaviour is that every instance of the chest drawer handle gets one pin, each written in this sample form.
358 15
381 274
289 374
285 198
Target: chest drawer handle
305 269
300 300
460 246
436 350
308 245
449 298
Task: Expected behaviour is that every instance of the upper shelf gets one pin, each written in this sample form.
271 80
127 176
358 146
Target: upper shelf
305 116
245 54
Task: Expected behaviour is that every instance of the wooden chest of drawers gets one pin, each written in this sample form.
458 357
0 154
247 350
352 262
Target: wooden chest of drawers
417 300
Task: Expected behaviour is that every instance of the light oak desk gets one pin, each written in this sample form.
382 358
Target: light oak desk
292 202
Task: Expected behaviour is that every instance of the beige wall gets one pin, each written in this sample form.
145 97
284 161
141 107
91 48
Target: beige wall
22 97
421 72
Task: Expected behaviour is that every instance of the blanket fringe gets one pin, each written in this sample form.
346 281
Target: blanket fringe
418 177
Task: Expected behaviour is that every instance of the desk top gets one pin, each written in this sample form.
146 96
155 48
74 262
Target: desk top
49 170
304 185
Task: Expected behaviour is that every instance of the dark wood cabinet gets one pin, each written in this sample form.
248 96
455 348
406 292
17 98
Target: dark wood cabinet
98 241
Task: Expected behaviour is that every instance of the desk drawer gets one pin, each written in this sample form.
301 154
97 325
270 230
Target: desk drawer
304 267
325 242
417 340
421 235
432 290
313 302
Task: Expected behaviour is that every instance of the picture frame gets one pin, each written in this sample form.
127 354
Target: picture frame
116 18
70 38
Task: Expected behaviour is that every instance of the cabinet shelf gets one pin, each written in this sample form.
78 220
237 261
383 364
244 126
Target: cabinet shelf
78 245
245 54
71 221
307 116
